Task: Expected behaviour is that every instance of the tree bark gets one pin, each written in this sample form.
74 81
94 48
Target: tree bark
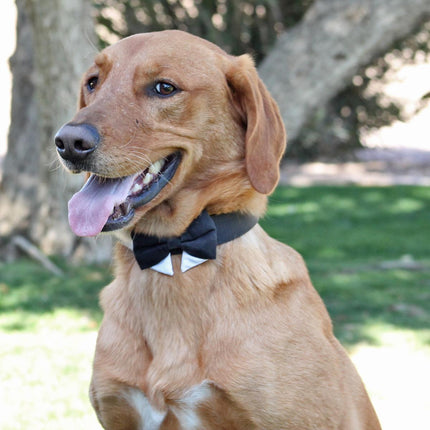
54 47
314 60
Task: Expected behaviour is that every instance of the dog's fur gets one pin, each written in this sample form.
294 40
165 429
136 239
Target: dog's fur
240 342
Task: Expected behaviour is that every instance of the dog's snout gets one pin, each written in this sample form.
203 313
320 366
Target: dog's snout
75 142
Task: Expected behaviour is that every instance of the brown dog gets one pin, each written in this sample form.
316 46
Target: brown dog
171 127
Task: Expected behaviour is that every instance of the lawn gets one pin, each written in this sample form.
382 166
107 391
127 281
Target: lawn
368 255
367 250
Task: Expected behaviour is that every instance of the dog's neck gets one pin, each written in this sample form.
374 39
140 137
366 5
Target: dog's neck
124 237
197 244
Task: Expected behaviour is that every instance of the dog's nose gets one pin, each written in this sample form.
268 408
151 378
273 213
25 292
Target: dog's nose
76 141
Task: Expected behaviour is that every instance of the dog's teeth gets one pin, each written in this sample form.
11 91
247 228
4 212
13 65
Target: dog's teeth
141 182
136 188
156 167
148 178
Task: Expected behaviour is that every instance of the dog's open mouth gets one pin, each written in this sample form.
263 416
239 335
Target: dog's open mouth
106 204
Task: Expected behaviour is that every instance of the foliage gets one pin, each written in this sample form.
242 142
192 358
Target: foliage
366 249
374 108
237 26
364 104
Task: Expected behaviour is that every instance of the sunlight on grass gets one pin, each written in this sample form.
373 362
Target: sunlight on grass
45 378
329 223
396 376
70 320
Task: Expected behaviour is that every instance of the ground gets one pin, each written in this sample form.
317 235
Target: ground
372 166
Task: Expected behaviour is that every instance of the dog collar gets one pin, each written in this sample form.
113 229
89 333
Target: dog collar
197 244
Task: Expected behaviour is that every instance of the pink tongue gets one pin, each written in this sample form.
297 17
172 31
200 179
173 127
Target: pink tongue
89 208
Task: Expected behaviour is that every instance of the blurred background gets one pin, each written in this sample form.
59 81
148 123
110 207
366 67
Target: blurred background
352 79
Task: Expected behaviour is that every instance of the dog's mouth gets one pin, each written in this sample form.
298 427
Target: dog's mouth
107 204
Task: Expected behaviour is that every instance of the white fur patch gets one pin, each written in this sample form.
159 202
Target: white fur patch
186 408
151 418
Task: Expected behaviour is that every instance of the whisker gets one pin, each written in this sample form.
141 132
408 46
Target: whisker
130 140
54 164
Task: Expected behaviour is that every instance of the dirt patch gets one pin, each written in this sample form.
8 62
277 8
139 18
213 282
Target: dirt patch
371 167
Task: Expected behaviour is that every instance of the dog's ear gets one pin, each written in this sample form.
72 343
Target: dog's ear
265 138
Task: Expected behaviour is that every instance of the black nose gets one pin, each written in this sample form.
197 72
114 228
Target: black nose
75 142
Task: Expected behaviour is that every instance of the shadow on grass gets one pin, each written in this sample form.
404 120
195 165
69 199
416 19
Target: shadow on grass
367 252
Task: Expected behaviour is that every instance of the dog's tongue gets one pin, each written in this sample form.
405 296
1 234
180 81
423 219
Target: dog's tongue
89 208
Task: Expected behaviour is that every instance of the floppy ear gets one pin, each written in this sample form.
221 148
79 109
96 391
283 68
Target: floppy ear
265 138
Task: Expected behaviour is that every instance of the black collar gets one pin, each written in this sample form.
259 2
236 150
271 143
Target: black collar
199 240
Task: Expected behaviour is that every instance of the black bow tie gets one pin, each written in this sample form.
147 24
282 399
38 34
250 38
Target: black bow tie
199 240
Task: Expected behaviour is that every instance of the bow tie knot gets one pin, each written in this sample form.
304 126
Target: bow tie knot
174 245
199 240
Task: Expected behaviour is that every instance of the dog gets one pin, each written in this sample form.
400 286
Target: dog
209 322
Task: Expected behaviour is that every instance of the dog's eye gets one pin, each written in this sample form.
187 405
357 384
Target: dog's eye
165 89
92 83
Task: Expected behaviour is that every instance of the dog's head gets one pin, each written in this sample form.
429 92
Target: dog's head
168 125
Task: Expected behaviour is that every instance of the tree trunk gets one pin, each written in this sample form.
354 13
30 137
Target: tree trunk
314 60
54 47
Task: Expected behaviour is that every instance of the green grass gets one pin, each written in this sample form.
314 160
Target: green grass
31 296
367 250
358 244
47 334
